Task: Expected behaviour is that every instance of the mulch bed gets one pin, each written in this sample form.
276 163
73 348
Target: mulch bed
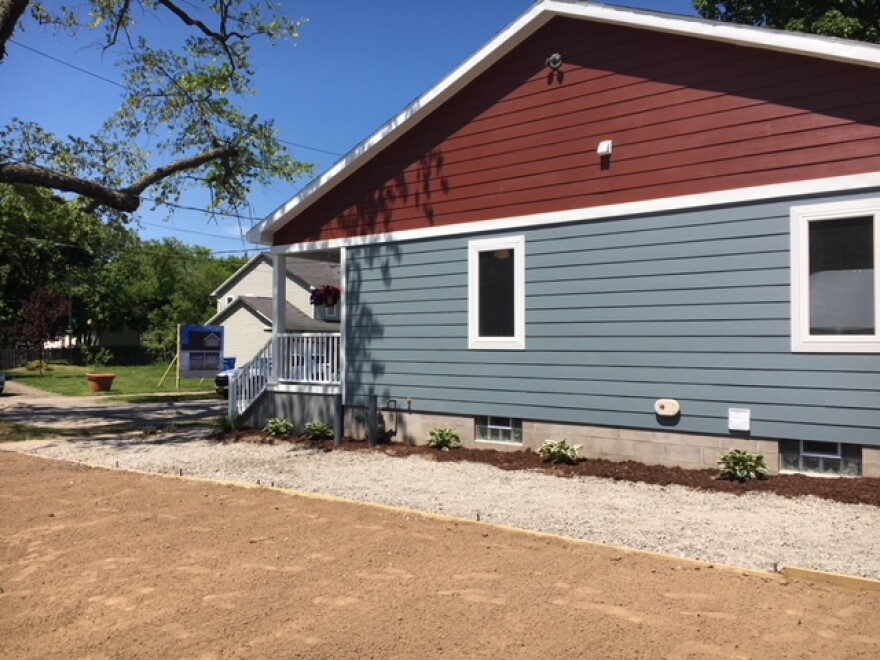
839 489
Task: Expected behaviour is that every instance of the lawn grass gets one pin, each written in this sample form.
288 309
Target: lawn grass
71 381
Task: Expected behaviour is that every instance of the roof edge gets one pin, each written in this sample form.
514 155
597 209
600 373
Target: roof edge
239 274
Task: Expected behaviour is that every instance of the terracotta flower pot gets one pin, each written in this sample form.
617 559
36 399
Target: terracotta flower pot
100 382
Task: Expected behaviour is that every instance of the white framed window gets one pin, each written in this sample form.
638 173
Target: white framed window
497 293
331 312
498 429
835 277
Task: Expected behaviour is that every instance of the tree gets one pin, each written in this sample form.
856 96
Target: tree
832 18
44 314
46 244
182 101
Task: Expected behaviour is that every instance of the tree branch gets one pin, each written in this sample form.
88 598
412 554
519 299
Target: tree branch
217 153
221 38
126 199
10 13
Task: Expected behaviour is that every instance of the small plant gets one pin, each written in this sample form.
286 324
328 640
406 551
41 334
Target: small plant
444 439
318 431
278 428
742 466
327 295
559 452
103 357
38 365
227 424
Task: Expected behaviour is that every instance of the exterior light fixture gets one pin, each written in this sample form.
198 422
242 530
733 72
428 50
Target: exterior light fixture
604 148
554 61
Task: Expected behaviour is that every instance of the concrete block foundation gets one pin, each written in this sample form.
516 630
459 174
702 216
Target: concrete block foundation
650 447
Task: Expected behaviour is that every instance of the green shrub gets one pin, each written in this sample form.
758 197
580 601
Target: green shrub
38 365
227 424
559 452
742 466
444 439
279 428
103 357
318 431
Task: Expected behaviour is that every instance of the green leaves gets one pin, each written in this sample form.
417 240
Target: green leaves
318 431
559 452
741 466
279 428
444 439
832 18
181 101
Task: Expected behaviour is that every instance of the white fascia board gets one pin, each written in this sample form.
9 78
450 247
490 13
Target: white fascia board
836 184
539 14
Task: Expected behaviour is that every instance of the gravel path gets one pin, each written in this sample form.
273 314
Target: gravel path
755 531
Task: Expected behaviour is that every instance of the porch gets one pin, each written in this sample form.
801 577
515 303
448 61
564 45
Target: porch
308 363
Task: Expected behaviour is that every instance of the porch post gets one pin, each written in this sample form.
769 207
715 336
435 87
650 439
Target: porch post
279 311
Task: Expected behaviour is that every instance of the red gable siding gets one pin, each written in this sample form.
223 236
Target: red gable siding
686 116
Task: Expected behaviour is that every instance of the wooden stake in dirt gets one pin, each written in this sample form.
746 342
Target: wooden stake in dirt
174 361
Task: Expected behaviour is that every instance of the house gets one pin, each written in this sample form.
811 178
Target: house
244 303
651 235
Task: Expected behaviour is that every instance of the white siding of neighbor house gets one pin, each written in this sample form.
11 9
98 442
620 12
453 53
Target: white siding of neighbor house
244 335
258 283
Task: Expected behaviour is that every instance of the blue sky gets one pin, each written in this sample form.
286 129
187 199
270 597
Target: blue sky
354 66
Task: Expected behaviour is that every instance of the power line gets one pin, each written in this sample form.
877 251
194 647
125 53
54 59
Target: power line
189 231
184 207
69 65
253 248
128 89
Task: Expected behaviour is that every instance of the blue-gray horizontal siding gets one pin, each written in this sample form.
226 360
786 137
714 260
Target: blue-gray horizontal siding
693 306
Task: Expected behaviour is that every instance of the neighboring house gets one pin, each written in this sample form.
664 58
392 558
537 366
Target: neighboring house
651 235
244 304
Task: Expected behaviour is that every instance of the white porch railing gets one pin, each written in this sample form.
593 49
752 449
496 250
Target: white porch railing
308 358
311 358
250 381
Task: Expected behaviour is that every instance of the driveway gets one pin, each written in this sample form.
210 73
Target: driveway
27 405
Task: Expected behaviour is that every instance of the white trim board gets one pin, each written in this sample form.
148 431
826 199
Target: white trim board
535 17
724 197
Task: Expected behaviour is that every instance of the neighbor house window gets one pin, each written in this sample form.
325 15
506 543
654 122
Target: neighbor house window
496 293
498 429
834 277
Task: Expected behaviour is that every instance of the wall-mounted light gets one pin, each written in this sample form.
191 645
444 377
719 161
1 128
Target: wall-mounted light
554 61
604 148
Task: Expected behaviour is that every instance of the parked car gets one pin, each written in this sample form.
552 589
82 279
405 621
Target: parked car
255 368
221 381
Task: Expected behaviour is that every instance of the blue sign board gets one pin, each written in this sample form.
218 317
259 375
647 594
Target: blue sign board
201 350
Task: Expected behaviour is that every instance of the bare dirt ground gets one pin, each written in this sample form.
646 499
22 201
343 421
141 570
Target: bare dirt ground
101 564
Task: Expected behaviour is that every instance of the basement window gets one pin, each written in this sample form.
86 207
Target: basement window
821 457
499 429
